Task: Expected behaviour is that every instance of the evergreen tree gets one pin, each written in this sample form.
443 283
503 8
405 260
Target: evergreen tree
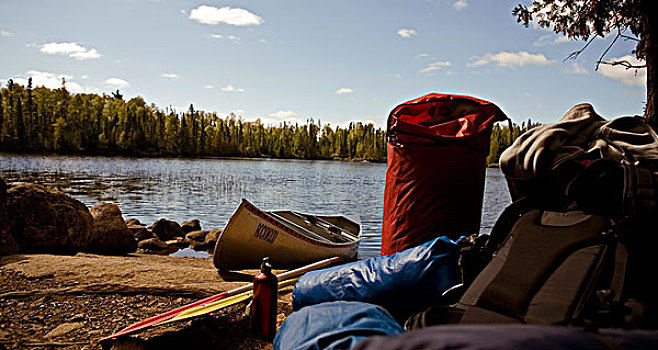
53 120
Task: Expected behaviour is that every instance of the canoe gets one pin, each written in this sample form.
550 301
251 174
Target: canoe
291 239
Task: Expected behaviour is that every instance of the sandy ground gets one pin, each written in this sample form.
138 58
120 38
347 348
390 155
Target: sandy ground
70 302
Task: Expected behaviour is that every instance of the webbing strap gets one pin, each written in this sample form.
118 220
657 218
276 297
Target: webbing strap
619 273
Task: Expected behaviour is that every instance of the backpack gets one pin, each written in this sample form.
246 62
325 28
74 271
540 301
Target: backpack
553 268
589 264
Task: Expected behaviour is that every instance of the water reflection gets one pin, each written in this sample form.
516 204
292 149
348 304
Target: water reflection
211 189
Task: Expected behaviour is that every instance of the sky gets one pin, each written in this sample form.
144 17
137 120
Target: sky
293 60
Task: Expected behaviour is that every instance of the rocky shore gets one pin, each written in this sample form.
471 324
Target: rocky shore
70 275
43 220
70 302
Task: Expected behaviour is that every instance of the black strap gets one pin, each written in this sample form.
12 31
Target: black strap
506 221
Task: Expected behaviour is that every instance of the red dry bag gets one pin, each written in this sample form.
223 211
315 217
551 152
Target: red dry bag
436 163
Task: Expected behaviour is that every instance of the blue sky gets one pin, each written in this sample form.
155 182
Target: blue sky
337 61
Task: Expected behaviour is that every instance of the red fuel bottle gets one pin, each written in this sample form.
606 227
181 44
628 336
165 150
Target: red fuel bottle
263 306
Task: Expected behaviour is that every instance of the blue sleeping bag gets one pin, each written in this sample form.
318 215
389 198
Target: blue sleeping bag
402 283
336 325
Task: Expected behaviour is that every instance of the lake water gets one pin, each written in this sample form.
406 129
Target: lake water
211 189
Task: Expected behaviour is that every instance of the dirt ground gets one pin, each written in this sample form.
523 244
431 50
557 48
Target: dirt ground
70 302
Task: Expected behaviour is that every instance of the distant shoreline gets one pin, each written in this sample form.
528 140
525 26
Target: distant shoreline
165 156
119 155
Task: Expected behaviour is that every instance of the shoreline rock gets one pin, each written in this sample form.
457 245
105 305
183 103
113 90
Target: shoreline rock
8 244
197 236
192 225
109 233
140 232
166 229
46 220
38 219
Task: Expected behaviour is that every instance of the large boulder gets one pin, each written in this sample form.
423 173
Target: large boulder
109 233
166 230
8 244
46 220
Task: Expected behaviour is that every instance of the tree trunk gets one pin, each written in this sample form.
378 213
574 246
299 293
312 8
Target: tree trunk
650 37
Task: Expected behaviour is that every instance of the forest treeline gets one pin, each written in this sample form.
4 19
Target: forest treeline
43 120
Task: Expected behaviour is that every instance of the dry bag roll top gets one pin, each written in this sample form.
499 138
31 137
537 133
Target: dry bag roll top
436 162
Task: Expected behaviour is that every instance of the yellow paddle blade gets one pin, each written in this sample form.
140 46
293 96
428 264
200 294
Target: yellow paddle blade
288 282
220 304
205 309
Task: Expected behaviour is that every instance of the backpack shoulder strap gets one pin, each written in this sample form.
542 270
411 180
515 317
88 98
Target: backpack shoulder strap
506 221
475 257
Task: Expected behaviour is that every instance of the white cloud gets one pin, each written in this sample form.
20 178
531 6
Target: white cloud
406 32
343 91
233 38
550 39
117 83
227 15
276 118
435 66
73 50
284 115
511 59
630 77
49 80
86 55
576 69
208 86
460 5
422 55
170 75
5 33
231 88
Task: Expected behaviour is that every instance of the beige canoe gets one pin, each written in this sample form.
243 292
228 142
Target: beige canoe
289 238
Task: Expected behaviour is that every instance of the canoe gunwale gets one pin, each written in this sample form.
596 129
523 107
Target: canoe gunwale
310 233
285 228
343 233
